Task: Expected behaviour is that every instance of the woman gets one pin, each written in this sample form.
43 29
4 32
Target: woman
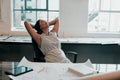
48 41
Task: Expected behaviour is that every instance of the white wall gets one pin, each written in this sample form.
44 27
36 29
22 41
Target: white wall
0 8
5 23
73 19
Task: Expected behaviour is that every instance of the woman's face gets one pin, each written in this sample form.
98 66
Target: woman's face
43 24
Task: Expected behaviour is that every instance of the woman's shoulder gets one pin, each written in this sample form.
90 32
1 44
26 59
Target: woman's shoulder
53 33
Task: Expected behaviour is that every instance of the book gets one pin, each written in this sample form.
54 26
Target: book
81 70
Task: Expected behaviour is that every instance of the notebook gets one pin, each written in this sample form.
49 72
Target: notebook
81 70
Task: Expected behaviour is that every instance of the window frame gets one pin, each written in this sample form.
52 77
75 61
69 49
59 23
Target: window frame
25 9
36 6
105 11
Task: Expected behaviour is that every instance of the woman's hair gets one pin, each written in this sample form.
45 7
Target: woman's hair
37 27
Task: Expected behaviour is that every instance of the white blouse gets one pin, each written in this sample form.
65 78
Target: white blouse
51 48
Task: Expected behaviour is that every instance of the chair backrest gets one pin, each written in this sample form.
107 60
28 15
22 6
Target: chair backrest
38 55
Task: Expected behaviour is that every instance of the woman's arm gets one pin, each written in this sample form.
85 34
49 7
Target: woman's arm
33 26
54 22
32 33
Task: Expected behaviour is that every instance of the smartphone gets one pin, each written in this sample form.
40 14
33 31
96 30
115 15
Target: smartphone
18 71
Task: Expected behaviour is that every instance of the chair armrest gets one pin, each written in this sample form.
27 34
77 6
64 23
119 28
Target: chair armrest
73 53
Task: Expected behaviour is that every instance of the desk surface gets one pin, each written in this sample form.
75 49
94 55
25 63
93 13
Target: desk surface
64 40
50 68
58 71
50 71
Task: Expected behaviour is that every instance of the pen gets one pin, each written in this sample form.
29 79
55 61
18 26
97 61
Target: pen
41 70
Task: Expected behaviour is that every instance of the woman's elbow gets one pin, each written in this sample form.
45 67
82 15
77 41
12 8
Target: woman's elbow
25 23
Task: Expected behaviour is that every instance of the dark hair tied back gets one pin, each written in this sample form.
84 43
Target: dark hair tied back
37 27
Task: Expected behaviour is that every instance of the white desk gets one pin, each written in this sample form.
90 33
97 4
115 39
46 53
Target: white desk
58 71
25 39
48 71
99 50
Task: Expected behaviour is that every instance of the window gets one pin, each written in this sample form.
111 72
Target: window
32 10
104 16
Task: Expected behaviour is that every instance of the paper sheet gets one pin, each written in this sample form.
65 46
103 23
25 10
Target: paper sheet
2 38
48 71
58 71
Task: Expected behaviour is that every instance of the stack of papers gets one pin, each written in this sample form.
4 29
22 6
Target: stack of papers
81 70
48 71
61 71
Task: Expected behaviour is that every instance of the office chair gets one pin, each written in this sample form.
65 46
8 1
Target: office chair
74 54
38 55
